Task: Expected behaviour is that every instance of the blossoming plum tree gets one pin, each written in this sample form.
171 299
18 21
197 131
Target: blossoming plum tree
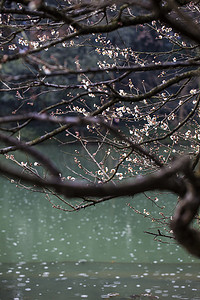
120 80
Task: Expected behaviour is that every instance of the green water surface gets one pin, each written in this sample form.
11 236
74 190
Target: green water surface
98 253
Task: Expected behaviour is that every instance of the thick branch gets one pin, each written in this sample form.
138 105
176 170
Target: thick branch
162 180
187 209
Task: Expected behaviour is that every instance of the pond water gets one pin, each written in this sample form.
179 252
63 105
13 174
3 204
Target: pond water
99 253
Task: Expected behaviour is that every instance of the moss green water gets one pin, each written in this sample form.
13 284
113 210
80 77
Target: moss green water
96 253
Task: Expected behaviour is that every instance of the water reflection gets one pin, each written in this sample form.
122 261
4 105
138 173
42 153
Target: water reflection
69 280
31 230
99 253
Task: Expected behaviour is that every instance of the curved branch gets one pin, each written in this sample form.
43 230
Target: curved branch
74 121
35 153
187 209
162 180
134 68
